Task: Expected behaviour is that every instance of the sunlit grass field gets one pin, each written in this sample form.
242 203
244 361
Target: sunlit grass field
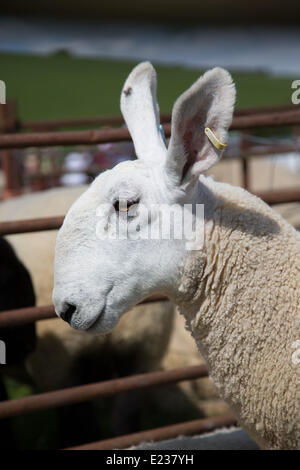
62 86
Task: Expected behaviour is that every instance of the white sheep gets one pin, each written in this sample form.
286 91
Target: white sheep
64 357
59 348
36 251
239 291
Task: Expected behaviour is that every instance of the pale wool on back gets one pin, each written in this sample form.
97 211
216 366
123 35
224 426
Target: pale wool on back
251 258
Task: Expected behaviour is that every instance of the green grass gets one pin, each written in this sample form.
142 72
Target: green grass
34 430
61 86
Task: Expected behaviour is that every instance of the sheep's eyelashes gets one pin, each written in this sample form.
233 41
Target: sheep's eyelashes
122 205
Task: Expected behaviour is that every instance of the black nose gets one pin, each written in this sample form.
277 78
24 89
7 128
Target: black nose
67 314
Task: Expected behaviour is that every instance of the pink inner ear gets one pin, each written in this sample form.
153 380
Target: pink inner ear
193 142
190 153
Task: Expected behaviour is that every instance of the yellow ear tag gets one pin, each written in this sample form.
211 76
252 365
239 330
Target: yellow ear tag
214 139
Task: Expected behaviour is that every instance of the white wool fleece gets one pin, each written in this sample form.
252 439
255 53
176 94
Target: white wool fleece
241 302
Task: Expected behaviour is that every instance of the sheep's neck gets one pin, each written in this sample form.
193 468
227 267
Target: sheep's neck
233 295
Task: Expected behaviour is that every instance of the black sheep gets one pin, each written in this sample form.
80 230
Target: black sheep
16 291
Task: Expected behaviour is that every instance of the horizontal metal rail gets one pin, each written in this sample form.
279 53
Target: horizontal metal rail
283 196
53 124
23 316
30 225
266 109
48 139
188 428
41 139
83 393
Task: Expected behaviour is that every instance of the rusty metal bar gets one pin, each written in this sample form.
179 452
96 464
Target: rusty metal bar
245 163
52 124
22 316
40 139
9 162
280 196
277 119
266 109
6 159
245 173
83 393
118 120
30 225
8 116
188 428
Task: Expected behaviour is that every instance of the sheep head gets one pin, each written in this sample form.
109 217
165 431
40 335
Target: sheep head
111 251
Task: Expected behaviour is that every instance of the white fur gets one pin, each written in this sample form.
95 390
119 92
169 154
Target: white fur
141 113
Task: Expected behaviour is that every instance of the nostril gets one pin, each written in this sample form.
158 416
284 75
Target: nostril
67 314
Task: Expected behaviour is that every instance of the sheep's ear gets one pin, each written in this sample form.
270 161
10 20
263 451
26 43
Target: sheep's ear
141 113
208 103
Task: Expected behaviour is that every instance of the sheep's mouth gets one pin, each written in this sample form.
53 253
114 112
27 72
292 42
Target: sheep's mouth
92 325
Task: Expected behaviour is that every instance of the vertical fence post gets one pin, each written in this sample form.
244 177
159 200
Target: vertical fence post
245 162
9 161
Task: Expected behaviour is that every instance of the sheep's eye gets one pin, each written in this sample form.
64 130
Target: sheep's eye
122 205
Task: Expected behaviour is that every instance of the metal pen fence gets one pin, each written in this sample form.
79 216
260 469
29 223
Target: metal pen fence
242 120
46 134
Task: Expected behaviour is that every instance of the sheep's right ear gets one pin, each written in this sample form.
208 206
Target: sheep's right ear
140 110
208 103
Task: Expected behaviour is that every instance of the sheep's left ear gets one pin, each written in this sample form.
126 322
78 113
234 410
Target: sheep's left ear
208 103
141 113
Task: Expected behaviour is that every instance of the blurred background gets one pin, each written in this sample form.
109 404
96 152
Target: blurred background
70 52
63 59
64 64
